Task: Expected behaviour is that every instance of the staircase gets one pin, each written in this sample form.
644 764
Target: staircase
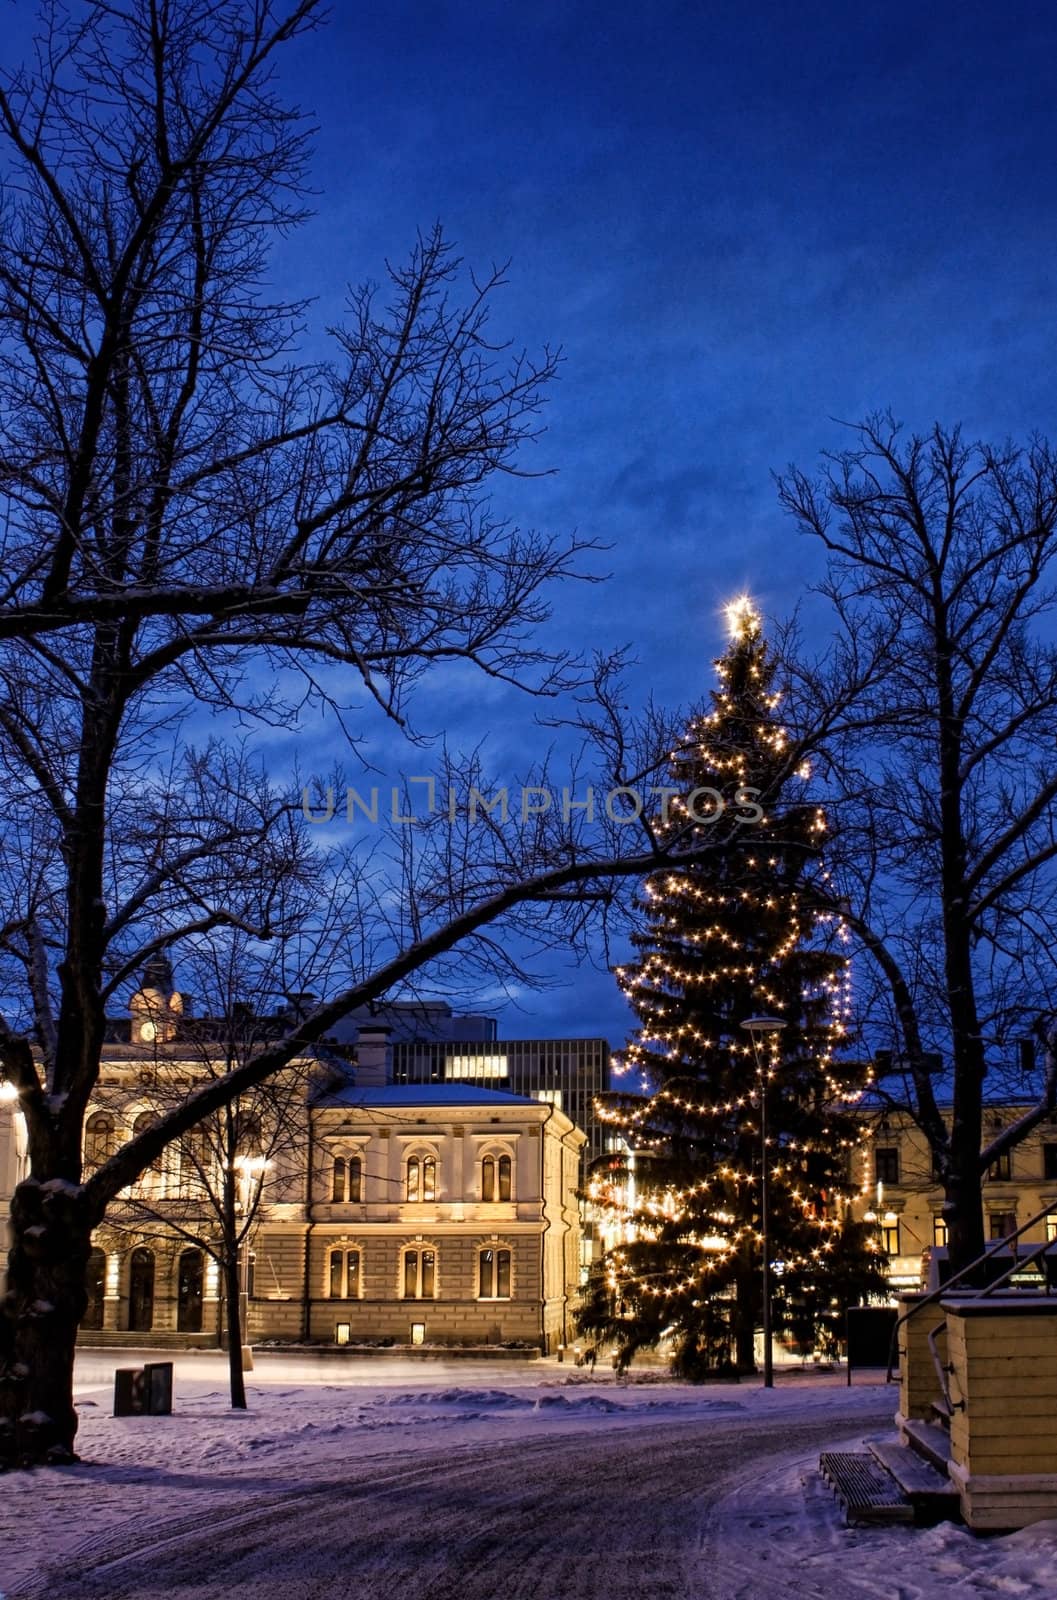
909 1480
890 1483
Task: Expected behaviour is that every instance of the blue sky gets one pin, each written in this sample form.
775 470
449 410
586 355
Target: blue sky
741 223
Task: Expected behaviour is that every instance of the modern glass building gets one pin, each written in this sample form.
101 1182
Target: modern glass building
567 1073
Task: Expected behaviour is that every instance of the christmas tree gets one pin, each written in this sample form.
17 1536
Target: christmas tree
745 932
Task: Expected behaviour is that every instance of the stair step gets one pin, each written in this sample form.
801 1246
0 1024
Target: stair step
929 1440
941 1410
867 1490
930 1492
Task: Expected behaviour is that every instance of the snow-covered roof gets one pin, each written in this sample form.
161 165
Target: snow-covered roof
423 1094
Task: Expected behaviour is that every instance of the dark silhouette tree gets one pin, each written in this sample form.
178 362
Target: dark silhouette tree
940 770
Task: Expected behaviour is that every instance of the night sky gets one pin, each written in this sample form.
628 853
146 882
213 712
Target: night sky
741 223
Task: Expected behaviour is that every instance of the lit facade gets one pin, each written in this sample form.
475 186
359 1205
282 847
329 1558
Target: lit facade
900 1192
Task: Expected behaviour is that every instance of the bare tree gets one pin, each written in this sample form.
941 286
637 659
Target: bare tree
193 519
209 1188
941 767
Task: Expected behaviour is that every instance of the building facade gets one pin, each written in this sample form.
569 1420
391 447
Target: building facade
902 1195
433 1213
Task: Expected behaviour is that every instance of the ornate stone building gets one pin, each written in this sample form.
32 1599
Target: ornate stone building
437 1213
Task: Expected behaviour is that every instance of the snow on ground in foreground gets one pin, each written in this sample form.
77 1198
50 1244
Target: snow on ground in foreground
306 1417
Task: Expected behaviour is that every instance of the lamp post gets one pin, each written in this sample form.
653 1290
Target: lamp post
249 1169
758 1028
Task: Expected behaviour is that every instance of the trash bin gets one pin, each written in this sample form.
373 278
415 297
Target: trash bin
128 1392
144 1391
157 1384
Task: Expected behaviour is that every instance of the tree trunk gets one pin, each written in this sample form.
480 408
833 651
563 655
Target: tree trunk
233 1304
745 1307
51 1233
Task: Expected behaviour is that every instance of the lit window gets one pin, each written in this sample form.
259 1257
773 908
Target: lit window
420 1274
495 1178
939 1230
1051 1228
890 1238
98 1140
195 1161
474 1068
1002 1169
348 1179
343 1274
421 1183
493 1274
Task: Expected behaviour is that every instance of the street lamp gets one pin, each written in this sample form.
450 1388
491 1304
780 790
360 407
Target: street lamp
759 1028
250 1169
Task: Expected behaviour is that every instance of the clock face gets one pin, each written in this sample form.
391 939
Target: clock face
147 1032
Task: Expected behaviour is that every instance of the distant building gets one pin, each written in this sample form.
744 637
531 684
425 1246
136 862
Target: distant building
901 1194
567 1073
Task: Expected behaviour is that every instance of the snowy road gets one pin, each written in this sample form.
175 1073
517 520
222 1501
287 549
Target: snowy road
664 1510
441 1482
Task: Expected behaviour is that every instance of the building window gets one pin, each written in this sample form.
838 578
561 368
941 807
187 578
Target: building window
141 1292
1001 1169
1049 1161
493 1274
495 1178
939 1231
1051 1228
189 1289
149 1183
1001 1224
421 1178
890 1238
348 1180
98 1140
194 1161
343 1274
886 1163
420 1274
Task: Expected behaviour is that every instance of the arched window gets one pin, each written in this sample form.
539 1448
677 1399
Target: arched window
495 1178
348 1180
98 1140
420 1274
149 1182
344 1274
191 1274
421 1178
493 1273
141 1291
95 1288
195 1161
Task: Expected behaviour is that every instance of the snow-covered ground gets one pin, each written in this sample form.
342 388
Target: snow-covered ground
156 1483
